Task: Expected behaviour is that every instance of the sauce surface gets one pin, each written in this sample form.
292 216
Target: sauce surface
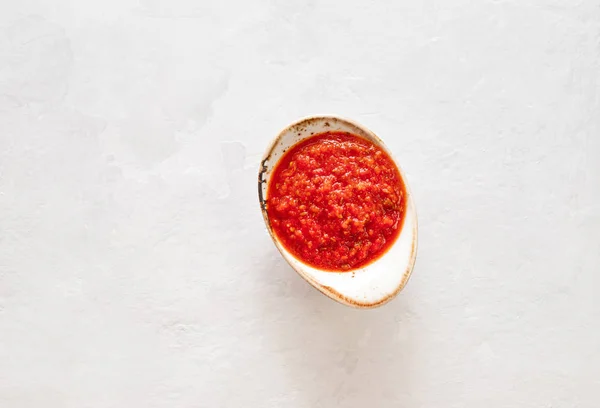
336 201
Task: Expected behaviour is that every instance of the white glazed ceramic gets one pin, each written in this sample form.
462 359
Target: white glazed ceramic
366 287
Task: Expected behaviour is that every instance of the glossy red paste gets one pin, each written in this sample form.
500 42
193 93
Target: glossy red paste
336 201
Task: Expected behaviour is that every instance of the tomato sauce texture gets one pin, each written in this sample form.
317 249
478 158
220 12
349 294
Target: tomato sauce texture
336 201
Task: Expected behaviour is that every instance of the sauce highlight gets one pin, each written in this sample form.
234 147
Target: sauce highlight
336 201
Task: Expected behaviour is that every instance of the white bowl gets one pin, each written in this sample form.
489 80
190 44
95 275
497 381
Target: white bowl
375 283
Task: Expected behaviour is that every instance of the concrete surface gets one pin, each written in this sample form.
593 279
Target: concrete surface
135 270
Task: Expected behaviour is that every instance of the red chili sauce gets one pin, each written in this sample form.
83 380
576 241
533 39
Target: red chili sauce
336 201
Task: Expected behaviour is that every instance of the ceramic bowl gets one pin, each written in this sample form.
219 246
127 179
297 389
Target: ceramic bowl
379 281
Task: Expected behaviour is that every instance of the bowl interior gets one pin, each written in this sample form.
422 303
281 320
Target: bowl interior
375 283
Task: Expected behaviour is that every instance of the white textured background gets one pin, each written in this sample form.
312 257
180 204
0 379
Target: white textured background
135 270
